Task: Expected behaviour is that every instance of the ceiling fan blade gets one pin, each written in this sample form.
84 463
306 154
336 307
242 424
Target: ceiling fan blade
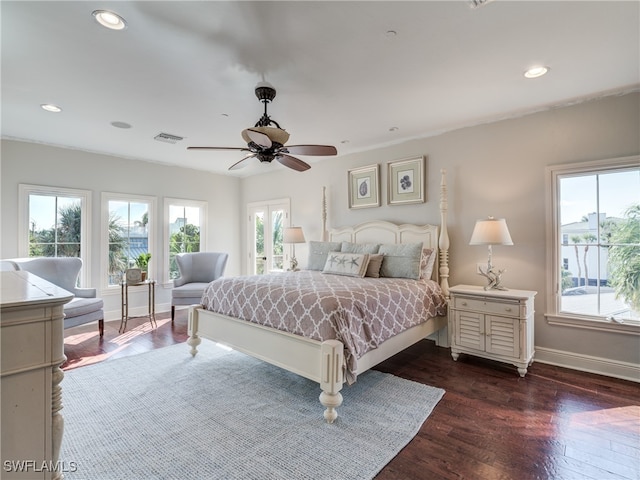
312 150
259 138
243 149
239 164
293 162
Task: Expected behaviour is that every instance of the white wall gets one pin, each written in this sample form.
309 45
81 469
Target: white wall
494 169
44 165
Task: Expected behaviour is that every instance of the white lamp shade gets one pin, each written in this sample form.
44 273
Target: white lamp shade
492 231
293 235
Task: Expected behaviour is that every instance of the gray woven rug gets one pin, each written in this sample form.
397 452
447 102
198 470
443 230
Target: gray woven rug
224 415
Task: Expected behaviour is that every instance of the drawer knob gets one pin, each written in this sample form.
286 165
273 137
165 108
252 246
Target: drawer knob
507 309
464 304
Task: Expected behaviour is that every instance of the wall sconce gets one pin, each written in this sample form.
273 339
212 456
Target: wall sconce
293 235
492 231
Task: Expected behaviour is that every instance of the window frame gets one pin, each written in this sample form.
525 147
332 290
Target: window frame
25 190
106 197
172 202
554 251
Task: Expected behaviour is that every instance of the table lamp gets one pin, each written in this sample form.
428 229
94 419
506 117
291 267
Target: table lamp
293 235
491 231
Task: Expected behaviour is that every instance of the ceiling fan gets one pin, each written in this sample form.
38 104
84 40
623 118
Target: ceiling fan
267 143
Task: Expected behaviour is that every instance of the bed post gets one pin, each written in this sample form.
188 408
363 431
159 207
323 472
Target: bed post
443 241
323 235
194 340
331 380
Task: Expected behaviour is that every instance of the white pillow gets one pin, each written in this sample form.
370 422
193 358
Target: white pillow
349 264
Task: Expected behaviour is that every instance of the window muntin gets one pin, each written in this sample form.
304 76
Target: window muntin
185 230
55 222
127 232
593 203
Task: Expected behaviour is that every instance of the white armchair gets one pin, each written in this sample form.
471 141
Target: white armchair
197 270
63 272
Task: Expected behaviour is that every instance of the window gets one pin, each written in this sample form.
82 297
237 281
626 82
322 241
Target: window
127 224
595 244
54 222
267 221
185 230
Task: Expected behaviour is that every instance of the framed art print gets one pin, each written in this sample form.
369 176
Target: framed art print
133 276
364 187
406 181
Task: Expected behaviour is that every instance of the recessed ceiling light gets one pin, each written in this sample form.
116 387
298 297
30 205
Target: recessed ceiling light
393 129
391 33
535 72
109 19
51 108
120 124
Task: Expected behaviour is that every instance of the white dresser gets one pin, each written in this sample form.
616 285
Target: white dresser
494 324
32 351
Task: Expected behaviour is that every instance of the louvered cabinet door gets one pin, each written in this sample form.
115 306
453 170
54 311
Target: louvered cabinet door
502 336
470 331
493 324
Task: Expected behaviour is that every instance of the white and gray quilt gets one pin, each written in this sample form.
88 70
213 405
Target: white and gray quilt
360 312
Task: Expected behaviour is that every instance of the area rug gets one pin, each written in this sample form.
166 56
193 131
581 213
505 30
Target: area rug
224 415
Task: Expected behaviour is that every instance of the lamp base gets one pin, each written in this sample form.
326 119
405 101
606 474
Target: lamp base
294 265
494 278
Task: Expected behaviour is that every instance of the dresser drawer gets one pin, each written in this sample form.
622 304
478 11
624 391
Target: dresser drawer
486 305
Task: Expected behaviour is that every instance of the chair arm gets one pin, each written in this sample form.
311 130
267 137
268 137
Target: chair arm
85 292
178 282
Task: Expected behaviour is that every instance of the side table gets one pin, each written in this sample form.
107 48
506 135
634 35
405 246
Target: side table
494 324
124 291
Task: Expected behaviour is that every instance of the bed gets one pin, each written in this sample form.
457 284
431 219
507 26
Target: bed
330 362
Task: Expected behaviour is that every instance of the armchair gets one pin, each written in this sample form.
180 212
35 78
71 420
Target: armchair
197 270
63 272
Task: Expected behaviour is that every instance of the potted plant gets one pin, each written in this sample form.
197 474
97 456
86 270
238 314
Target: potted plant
143 264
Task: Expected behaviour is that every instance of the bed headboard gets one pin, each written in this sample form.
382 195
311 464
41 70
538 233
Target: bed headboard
431 236
387 232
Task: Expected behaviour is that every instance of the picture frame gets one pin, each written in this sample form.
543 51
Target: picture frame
406 179
133 276
364 186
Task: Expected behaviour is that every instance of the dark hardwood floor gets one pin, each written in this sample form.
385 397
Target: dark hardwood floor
491 424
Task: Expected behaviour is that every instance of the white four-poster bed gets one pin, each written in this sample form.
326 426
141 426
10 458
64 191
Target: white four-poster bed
324 361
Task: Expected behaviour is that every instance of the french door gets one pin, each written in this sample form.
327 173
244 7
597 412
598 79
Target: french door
267 221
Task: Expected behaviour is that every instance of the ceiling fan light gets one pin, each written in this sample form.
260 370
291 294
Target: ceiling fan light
276 135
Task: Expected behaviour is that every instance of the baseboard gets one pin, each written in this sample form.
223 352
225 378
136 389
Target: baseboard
587 363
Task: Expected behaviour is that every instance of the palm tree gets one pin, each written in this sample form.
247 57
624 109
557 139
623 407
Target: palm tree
588 238
576 240
624 258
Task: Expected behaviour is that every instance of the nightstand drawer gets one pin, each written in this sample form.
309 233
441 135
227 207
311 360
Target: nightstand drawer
501 307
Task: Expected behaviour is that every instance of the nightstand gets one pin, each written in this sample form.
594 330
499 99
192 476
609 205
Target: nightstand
493 324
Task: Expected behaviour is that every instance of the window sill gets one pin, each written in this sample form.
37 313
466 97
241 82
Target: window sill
630 327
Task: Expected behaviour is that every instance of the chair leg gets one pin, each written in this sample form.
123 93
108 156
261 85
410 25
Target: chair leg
101 326
173 312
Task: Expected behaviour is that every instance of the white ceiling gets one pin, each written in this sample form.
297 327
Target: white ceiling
190 68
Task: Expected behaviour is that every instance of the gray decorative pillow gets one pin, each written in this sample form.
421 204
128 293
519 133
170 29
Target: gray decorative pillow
349 264
318 253
401 260
375 262
348 247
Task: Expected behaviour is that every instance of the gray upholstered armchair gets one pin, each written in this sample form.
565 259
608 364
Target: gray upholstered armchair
196 271
63 272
